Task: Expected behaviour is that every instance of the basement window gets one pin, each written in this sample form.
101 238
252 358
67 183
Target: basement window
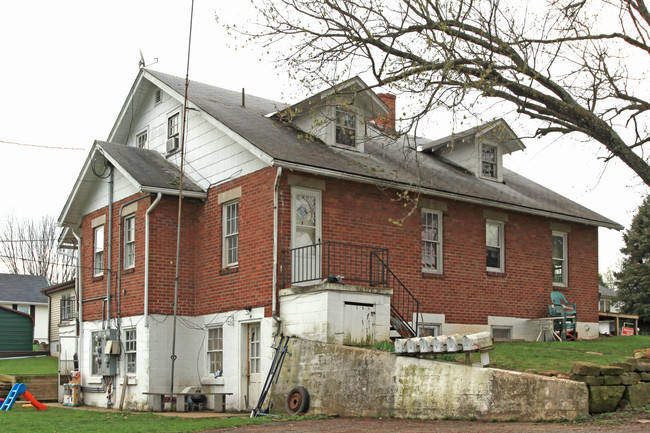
215 350
502 332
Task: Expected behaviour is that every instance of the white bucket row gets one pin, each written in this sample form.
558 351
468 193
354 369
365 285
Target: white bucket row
444 343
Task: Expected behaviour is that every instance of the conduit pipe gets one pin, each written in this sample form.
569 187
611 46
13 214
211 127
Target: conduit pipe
275 242
146 258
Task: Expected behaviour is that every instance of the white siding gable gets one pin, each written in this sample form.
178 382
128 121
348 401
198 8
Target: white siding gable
211 155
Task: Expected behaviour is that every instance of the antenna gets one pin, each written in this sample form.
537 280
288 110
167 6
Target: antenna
142 64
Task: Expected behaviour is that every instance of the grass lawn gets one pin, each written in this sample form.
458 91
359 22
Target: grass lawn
57 419
37 365
560 355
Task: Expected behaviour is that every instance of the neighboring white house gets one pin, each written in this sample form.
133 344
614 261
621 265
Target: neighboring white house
23 293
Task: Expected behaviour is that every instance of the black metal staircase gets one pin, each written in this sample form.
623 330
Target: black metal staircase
359 264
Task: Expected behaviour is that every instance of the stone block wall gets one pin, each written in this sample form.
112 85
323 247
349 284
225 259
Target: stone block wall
618 385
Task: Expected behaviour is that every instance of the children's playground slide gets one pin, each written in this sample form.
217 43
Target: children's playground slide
21 389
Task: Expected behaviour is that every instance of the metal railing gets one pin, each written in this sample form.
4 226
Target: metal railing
403 305
352 263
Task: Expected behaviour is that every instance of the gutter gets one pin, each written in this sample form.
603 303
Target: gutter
146 258
437 193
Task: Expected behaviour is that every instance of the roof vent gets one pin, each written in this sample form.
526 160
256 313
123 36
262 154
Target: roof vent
157 97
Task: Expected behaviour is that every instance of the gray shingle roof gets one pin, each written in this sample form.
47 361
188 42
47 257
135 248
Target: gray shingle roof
22 289
148 167
383 160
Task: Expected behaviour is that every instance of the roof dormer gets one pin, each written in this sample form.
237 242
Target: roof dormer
480 149
338 116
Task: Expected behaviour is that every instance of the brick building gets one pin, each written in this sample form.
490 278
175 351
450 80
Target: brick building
316 220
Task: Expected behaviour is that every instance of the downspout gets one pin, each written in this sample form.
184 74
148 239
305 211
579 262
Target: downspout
109 262
275 242
146 258
120 265
80 329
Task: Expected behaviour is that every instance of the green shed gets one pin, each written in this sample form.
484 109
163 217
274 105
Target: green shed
16 331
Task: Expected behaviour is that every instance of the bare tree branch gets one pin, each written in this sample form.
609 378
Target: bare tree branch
564 63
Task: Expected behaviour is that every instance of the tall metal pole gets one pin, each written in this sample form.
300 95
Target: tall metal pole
180 202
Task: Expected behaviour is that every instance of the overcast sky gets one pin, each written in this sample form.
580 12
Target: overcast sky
67 67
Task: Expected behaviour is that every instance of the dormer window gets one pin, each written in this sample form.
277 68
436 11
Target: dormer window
346 126
489 161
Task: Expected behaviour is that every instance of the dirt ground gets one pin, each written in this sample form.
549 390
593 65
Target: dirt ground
619 423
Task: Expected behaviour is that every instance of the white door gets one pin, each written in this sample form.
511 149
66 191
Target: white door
305 234
254 364
359 322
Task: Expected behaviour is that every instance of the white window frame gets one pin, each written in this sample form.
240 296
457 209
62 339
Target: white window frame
605 305
437 244
429 329
346 129
483 161
66 307
94 348
507 329
564 259
230 238
144 133
173 130
130 350
215 350
98 251
501 246
129 241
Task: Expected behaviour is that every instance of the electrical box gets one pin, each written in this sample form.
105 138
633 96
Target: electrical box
107 349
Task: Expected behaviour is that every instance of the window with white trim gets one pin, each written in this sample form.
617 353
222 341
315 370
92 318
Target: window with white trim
129 242
489 159
431 235
231 233
346 127
66 308
96 351
141 139
172 125
502 332
130 349
494 245
429 330
98 249
559 259
215 350
605 305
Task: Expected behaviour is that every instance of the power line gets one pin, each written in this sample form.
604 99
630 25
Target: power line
43 146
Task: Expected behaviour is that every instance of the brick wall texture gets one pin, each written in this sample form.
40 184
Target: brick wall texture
351 212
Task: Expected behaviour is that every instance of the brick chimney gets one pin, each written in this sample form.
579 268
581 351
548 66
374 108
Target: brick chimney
387 122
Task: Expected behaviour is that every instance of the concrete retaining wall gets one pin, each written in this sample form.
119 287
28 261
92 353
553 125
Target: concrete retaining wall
350 381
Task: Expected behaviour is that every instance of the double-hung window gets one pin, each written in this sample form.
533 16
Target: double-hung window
559 259
130 349
96 353
141 139
215 350
494 244
231 233
172 125
489 160
346 127
431 234
66 308
98 255
129 242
